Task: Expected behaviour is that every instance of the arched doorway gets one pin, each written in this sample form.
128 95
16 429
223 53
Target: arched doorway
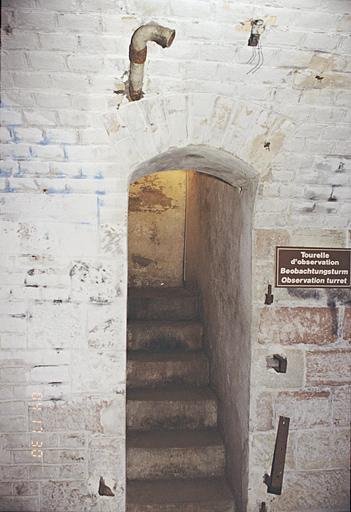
207 281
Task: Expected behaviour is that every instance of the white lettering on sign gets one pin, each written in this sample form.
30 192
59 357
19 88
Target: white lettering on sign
311 267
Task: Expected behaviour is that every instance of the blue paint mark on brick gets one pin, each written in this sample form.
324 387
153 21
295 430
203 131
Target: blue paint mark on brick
19 174
100 192
80 175
13 134
98 206
99 176
65 154
8 188
4 173
45 141
55 191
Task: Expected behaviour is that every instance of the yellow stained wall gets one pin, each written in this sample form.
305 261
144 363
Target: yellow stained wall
156 229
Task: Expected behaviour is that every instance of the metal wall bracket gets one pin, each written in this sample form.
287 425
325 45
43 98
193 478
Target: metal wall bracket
269 296
274 481
278 363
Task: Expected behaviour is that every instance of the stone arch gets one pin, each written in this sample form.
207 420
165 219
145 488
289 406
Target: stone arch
141 131
234 141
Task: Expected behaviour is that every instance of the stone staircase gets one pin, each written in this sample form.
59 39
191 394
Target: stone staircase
175 455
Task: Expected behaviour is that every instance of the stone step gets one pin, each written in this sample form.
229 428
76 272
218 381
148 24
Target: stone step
193 495
162 304
163 336
154 369
170 408
175 454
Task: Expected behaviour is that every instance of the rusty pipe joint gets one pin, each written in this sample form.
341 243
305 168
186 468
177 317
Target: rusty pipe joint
138 50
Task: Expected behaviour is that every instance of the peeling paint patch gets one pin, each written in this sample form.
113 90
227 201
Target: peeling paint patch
141 261
148 195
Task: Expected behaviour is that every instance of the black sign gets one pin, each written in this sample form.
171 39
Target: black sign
312 267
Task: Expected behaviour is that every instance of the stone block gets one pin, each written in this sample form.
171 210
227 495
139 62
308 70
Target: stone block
13 472
323 449
26 488
262 446
262 413
72 440
266 241
13 424
107 459
290 326
313 490
269 378
341 400
71 415
308 237
330 367
306 409
74 496
19 504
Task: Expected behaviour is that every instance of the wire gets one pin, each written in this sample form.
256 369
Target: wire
260 59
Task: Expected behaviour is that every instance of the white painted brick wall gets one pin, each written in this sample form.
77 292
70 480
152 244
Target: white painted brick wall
68 143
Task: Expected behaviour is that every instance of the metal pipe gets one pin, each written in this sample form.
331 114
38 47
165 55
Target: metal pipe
138 50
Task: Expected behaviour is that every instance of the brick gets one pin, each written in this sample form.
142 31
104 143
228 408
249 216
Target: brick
40 118
12 408
297 325
14 60
13 424
72 440
59 325
328 367
5 488
104 328
21 39
49 152
346 329
49 61
36 20
10 117
306 409
12 374
63 5
85 63
61 135
20 504
79 22
55 41
45 374
29 134
13 472
51 100
43 472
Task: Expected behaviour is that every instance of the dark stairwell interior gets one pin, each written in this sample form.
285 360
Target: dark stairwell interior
179 449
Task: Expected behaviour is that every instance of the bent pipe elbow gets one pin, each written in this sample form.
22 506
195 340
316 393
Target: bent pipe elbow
163 36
